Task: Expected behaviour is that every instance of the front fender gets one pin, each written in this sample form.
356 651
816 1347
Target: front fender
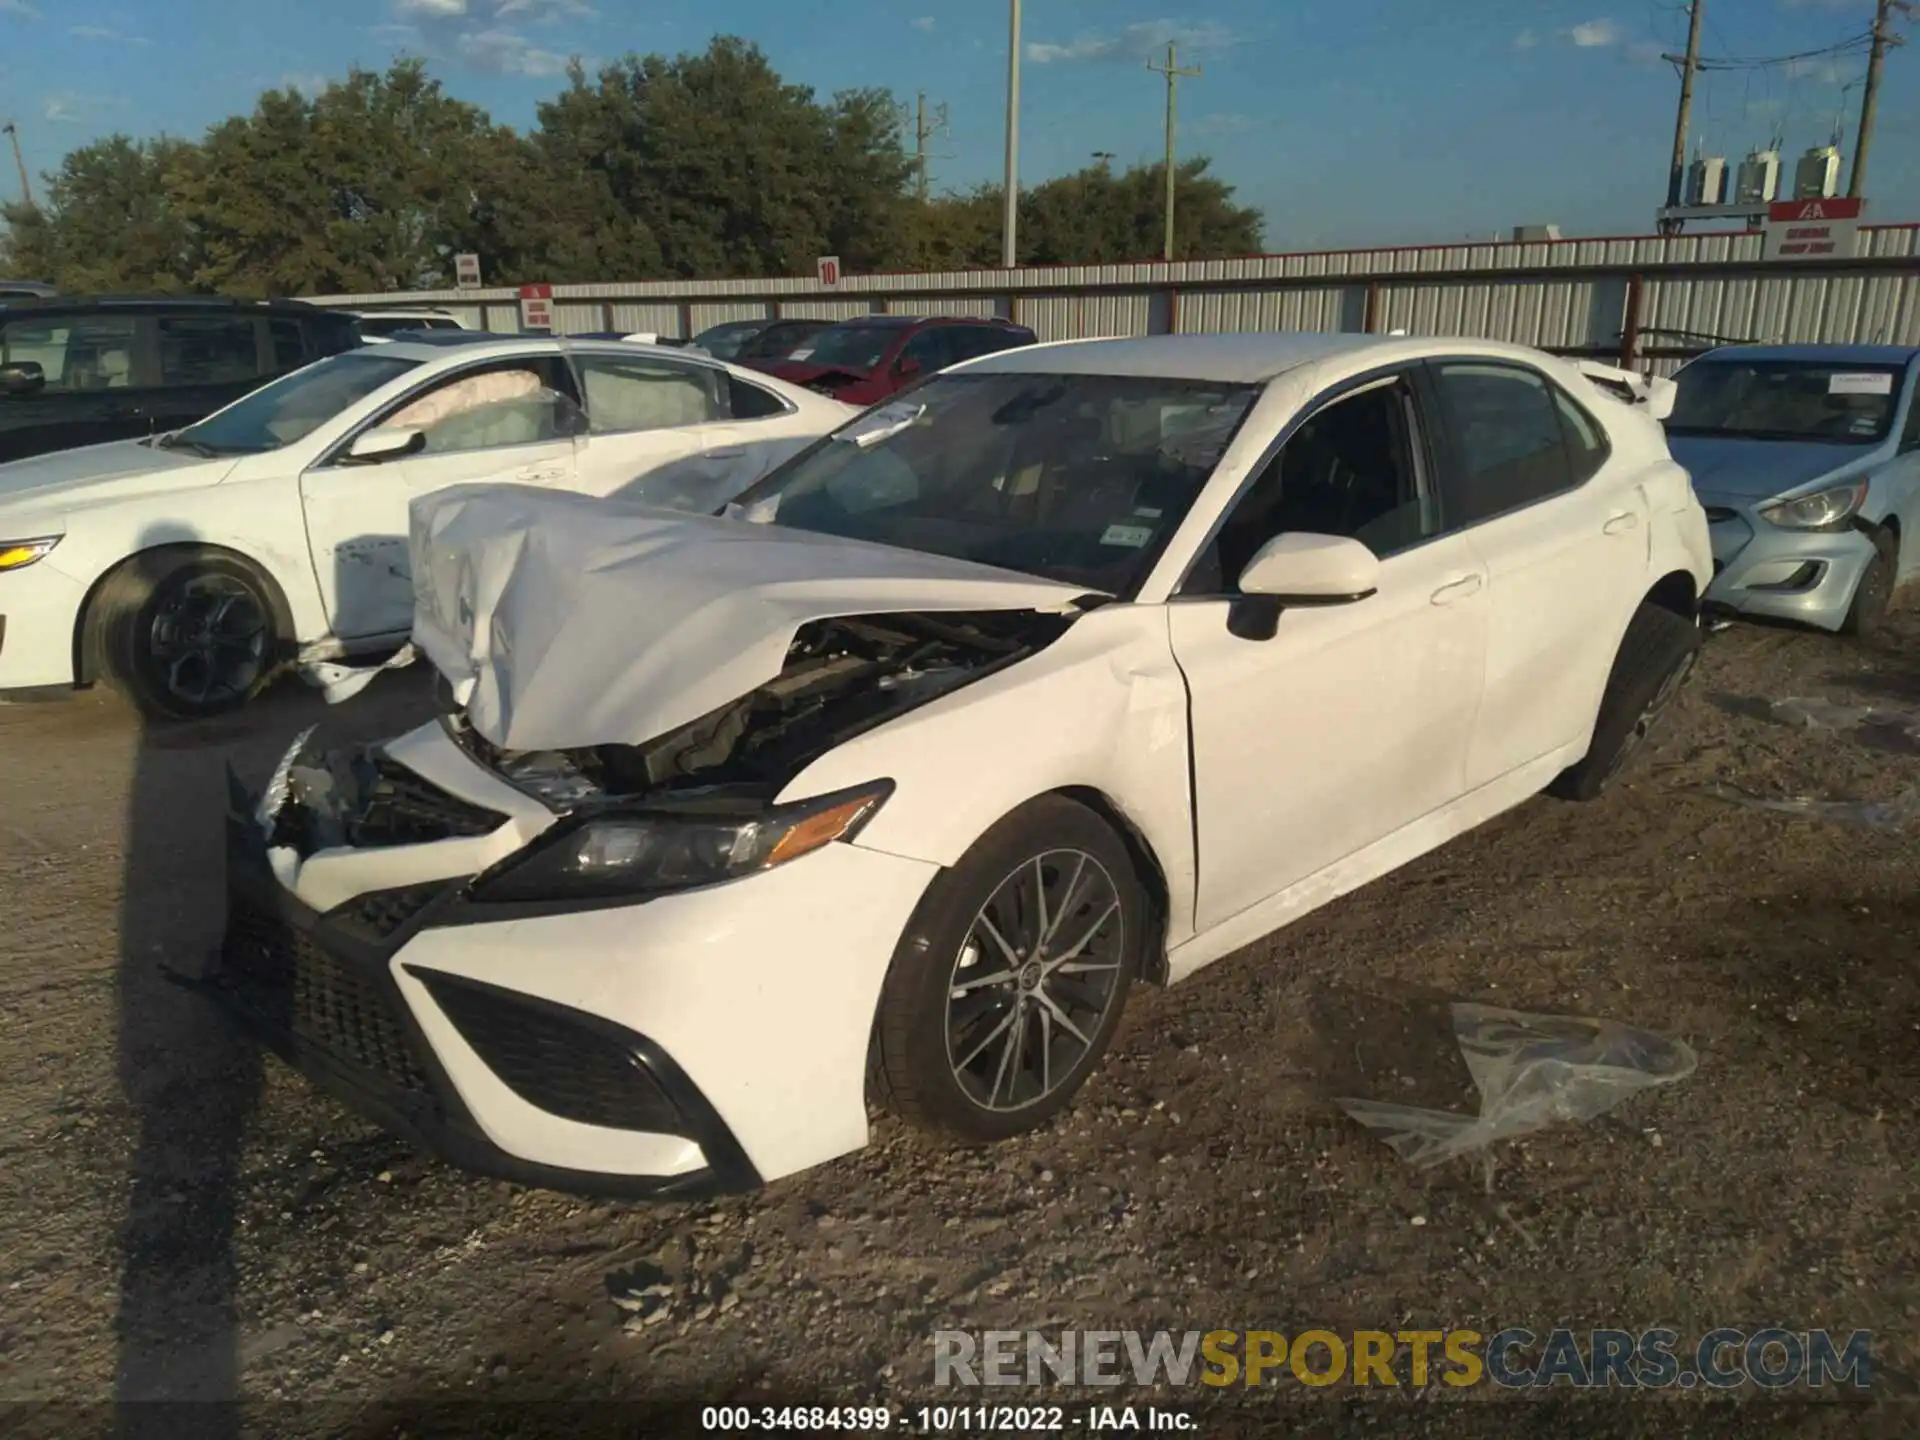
1103 708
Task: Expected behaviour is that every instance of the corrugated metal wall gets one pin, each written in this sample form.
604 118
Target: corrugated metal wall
1700 286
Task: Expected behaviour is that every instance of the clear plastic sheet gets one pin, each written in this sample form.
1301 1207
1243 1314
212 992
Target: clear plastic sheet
1814 714
1532 1071
1894 814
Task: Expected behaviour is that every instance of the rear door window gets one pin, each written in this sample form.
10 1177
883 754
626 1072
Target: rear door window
208 349
289 345
76 353
627 395
1509 449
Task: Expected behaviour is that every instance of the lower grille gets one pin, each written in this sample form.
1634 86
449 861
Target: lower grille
308 993
556 1059
401 808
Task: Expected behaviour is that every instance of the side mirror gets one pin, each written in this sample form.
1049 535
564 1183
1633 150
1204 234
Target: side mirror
1295 570
907 365
22 377
386 442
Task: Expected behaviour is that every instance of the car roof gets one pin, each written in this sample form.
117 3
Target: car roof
1248 358
28 304
430 345
1820 354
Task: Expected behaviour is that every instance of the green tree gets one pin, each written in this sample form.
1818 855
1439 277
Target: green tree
109 222
1095 217
373 185
735 171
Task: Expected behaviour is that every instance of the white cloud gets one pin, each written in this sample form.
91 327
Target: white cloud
307 83
505 52
106 33
1594 34
1825 69
544 12
1209 127
1137 41
19 8
69 107
925 22
1525 40
486 35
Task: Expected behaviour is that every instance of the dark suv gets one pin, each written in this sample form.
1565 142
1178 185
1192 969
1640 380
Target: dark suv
81 370
864 361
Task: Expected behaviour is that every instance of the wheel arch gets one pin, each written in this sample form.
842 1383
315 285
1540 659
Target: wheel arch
1675 591
152 559
1147 869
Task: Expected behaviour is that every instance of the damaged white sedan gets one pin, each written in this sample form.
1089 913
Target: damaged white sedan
1073 668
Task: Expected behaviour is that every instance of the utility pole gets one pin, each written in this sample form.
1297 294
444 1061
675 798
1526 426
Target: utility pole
1870 95
1010 200
1174 74
1689 66
924 129
12 132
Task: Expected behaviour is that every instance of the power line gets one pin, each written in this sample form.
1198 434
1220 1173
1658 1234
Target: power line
1174 75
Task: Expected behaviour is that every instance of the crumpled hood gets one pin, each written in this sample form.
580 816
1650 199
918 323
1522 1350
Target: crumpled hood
565 621
97 472
1760 469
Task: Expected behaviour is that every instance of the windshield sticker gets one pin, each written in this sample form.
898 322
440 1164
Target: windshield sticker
1864 425
1146 512
882 424
1131 536
805 352
1860 384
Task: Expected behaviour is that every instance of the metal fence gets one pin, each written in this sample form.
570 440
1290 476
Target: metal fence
1644 301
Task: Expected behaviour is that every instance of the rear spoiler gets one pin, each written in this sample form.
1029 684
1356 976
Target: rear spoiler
1648 390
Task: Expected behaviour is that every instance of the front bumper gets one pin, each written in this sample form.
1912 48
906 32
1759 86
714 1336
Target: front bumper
1764 570
39 608
320 990
694 1043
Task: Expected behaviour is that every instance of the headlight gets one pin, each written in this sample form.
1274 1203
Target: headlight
614 854
1824 510
18 554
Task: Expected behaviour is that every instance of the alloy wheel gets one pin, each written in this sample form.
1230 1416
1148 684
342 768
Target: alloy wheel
207 643
1035 980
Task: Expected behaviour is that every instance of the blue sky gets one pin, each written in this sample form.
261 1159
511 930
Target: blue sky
1347 121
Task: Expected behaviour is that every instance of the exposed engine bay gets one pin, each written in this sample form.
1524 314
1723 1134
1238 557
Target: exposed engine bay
841 677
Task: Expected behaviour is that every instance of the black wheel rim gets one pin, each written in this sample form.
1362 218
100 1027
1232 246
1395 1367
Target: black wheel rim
1035 980
207 642
1650 715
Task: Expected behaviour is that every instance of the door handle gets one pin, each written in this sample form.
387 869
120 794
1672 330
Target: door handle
1457 590
1620 524
731 454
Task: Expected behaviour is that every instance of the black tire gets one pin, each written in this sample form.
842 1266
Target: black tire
1656 658
1873 596
917 1073
184 632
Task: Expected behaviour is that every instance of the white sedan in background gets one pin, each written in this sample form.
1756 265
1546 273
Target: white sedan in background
187 568
1076 666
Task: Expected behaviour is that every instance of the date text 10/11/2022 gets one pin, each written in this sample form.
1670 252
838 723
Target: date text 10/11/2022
945 1419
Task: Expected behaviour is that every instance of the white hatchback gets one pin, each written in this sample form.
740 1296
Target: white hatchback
187 567
1074 667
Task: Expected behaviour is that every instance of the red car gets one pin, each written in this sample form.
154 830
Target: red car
864 361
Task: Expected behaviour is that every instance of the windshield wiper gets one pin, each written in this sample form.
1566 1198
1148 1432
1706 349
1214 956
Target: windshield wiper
192 447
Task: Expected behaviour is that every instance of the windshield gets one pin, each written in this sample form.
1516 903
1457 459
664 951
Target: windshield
1785 400
290 408
847 347
723 342
776 342
1076 478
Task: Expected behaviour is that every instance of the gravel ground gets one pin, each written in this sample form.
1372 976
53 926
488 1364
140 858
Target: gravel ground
185 1221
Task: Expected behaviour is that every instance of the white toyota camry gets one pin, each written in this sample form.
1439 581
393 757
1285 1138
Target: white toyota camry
187 568
1072 668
